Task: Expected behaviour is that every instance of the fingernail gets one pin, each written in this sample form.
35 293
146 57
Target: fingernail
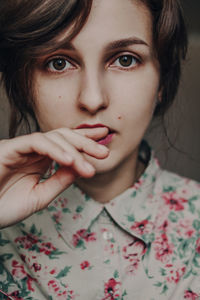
88 167
102 148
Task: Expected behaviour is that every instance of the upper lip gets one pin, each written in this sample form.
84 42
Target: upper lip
91 126
85 125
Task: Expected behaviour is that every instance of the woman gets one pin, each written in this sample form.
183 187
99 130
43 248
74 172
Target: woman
92 74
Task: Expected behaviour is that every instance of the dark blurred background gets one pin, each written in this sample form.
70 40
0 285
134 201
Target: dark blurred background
180 152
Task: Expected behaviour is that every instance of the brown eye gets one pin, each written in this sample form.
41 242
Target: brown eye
59 65
126 60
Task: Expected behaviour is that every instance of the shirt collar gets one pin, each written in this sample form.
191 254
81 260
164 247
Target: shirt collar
134 210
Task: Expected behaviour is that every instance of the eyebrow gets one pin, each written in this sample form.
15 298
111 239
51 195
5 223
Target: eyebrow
125 43
111 46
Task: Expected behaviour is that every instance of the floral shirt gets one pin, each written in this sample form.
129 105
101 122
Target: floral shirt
142 245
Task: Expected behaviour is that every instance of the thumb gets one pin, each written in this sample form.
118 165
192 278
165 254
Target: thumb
48 190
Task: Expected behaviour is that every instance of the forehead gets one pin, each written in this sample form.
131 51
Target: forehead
114 20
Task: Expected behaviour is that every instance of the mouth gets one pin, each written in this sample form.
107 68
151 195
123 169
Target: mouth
90 126
106 139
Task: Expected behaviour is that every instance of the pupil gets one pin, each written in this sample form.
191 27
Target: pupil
59 64
125 60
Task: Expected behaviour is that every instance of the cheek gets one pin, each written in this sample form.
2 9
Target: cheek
135 98
53 103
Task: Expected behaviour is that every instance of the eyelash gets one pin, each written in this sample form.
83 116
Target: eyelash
57 58
126 68
72 66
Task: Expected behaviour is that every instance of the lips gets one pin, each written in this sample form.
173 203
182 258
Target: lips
91 126
105 140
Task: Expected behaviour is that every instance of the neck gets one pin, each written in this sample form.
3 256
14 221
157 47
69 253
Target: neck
104 187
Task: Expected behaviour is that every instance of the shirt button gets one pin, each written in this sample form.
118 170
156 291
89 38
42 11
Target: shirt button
107 235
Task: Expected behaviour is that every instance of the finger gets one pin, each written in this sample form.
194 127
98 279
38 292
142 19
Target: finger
80 164
81 143
18 149
93 133
46 191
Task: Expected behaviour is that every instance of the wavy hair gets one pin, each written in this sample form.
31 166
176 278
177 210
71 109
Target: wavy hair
28 29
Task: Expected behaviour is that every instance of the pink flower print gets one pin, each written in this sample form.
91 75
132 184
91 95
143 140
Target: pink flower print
138 184
190 295
27 242
163 248
47 248
174 201
57 216
59 291
111 289
19 272
198 246
64 202
133 253
175 274
141 227
164 226
184 228
77 216
36 267
85 265
83 234
15 295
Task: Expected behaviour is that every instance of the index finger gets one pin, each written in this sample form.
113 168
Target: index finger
93 133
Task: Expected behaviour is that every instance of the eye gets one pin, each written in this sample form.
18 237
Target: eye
125 61
59 65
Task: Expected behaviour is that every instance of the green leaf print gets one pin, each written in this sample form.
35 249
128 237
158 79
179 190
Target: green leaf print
87 198
158 284
3 242
173 217
168 189
63 272
192 207
116 274
66 210
79 209
165 288
163 272
5 257
33 229
107 261
196 261
131 218
185 247
124 294
134 194
196 224
55 254
51 208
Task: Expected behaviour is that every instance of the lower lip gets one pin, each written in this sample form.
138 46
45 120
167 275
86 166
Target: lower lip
106 140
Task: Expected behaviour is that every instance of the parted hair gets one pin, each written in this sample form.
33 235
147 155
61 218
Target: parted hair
29 29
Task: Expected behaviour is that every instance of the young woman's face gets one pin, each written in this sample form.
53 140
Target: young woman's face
107 75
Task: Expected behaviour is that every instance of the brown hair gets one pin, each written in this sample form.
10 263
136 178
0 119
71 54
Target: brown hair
28 29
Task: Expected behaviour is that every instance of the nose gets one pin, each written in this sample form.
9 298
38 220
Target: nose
92 96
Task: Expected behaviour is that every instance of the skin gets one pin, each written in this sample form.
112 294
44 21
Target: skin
103 81
95 88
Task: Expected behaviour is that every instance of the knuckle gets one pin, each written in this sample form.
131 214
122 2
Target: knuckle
35 136
63 130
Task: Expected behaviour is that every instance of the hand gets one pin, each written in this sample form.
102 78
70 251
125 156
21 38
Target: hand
24 161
